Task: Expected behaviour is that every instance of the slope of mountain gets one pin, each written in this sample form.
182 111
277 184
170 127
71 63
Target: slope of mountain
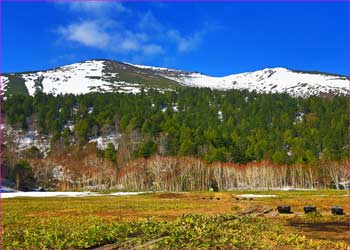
269 80
84 77
108 76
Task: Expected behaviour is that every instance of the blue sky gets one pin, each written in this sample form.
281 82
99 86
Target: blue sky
213 38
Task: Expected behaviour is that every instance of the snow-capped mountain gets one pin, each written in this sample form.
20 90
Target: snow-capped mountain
108 76
85 77
269 80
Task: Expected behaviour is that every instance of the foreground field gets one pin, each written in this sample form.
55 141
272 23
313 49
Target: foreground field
198 220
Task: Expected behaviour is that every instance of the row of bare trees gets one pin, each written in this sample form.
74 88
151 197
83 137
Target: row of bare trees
189 173
80 168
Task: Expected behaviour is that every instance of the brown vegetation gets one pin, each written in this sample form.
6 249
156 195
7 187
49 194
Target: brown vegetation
76 168
190 174
80 168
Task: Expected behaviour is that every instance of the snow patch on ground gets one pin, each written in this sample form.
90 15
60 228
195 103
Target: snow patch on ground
7 190
256 196
125 193
296 189
25 139
62 194
220 117
103 141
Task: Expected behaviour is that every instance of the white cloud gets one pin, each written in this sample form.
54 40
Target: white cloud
97 34
140 36
96 7
153 49
127 45
185 44
88 33
149 22
105 26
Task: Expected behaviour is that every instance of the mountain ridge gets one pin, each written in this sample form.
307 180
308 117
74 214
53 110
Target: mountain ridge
105 75
159 67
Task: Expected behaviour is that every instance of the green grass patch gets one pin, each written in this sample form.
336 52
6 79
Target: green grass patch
186 232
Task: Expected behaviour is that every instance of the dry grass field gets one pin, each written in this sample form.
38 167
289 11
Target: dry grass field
195 220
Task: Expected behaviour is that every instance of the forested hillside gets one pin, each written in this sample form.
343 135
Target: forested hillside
228 126
216 126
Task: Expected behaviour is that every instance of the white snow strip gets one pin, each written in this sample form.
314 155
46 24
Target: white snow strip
125 193
256 195
151 67
296 189
47 194
7 190
62 194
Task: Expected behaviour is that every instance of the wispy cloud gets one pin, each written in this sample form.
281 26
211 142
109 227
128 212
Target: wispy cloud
102 25
185 44
95 7
129 45
149 22
153 49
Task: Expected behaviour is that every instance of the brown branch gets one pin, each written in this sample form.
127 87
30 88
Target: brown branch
149 243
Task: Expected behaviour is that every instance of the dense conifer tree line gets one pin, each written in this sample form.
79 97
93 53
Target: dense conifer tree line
231 126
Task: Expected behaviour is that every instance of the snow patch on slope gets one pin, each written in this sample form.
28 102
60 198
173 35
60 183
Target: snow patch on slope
76 78
25 139
152 67
270 80
103 141
4 80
